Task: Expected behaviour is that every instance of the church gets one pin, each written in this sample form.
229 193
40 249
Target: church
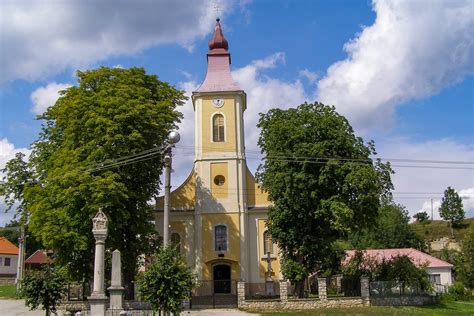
218 214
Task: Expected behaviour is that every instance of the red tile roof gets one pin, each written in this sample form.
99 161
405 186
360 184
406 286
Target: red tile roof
38 257
7 247
419 258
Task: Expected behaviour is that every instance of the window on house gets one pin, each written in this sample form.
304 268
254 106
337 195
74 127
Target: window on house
1 261
220 238
176 241
218 128
8 262
435 278
267 242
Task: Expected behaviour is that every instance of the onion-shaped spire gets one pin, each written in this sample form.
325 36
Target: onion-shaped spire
218 40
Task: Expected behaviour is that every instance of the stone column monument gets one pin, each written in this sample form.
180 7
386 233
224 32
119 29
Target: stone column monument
116 289
98 299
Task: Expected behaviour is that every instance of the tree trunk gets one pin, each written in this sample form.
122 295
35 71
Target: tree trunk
299 289
47 311
452 232
128 280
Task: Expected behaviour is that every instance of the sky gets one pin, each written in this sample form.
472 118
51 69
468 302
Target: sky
400 71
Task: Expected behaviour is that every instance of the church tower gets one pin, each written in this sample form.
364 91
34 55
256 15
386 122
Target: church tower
218 215
220 165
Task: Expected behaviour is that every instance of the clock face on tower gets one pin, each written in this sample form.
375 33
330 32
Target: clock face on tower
218 102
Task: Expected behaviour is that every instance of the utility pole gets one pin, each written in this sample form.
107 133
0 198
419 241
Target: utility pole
432 218
21 257
173 138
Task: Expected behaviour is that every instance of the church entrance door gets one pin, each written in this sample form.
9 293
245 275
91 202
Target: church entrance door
222 279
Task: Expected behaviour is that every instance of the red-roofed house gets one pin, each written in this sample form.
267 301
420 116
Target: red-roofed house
8 258
440 271
38 258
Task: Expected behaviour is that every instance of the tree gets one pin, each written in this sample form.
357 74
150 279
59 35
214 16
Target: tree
321 181
390 230
465 264
421 217
44 287
167 281
101 146
451 209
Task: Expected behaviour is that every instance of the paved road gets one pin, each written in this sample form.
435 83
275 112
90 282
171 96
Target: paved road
18 308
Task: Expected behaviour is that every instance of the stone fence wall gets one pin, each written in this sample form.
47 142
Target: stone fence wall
404 300
283 303
7 281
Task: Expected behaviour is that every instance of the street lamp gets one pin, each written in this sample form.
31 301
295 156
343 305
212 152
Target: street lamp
173 138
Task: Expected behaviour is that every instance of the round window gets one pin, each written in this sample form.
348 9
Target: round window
219 180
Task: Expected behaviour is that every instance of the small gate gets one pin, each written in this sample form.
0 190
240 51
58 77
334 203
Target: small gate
214 294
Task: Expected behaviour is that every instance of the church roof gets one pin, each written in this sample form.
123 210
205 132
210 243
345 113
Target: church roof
218 76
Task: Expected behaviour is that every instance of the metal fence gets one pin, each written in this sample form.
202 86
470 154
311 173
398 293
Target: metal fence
218 293
394 288
259 290
121 312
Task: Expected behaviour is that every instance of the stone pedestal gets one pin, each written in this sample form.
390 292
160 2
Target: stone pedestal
240 293
283 291
98 304
365 290
322 289
116 289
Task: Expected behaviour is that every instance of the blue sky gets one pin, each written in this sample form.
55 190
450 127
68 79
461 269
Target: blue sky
400 75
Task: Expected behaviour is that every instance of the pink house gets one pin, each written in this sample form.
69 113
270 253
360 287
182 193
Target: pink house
440 272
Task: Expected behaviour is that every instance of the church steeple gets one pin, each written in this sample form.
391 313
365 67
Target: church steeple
218 41
218 76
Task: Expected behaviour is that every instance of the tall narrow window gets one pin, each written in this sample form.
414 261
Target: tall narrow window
218 128
267 242
176 241
220 238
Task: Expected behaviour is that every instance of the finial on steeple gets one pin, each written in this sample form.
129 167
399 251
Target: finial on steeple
218 40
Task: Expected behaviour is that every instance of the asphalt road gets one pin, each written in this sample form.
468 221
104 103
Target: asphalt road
18 308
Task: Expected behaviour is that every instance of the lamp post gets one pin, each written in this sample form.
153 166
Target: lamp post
173 138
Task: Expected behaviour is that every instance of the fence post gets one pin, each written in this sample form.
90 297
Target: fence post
240 293
283 291
365 290
322 293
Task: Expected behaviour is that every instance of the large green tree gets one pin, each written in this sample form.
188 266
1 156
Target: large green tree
321 181
451 209
390 230
101 146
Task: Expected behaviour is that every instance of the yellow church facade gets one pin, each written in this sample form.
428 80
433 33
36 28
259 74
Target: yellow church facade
218 214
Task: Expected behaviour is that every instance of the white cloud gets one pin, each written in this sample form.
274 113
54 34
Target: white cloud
308 75
7 152
415 187
45 37
44 97
413 50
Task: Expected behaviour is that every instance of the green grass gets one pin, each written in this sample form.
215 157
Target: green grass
7 291
432 230
452 308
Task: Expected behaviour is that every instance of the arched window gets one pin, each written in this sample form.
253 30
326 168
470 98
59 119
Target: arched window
220 238
218 128
176 241
267 242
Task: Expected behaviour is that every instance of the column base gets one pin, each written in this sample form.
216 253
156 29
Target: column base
116 295
98 304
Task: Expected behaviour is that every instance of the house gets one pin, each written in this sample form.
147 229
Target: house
8 258
37 259
218 215
439 271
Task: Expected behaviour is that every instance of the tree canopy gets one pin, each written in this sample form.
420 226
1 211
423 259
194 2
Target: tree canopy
390 230
321 181
451 209
100 147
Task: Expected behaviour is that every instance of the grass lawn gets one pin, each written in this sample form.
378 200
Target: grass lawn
7 291
437 229
452 308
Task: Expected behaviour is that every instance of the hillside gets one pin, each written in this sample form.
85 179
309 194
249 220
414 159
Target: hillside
433 230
